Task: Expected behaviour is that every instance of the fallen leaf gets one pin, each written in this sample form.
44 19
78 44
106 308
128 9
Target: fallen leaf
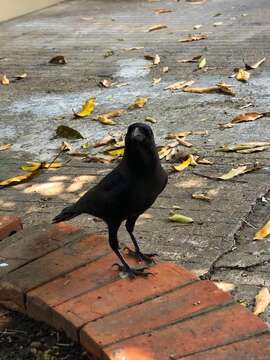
182 219
165 69
219 23
189 161
257 149
5 147
194 38
65 146
22 76
108 53
183 142
164 151
246 106
227 287
150 119
68 133
4 80
87 108
156 81
157 27
263 232
243 146
31 166
204 161
242 75
116 152
249 116
256 65
162 11
196 27
135 48
262 300
202 63
106 140
58 60
178 134
155 58
18 179
121 85
105 120
192 60
106 83
201 196
239 171
53 165
104 159
179 85
139 103
219 88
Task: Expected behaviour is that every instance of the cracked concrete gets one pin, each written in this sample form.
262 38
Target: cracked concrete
219 243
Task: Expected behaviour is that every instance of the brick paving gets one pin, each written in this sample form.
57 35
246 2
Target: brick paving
63 276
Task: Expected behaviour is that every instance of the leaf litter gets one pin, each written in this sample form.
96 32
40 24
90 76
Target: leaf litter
264 232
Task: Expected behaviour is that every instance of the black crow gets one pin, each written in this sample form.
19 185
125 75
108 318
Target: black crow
125 193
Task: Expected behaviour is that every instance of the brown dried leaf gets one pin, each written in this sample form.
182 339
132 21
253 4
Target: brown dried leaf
157 27
164 151
106 83
201 196
219 88
183 142
58 60
249 116
263 232
68 133
4 80
22 76
156 81
204 161
239 171
139 103
194 38
104 159
256 65
5 147
262 300
65 146
155 58
106 140
162 11
179 85
178 134
135 48
243 146
150 119
165 69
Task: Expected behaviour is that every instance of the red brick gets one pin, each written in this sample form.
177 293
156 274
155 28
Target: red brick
9 224
32 243
160 311
75 313
200 333
14 285
257 348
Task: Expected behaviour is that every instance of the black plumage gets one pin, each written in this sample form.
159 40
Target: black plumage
126 192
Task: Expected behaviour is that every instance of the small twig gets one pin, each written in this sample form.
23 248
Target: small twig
246 222
57 155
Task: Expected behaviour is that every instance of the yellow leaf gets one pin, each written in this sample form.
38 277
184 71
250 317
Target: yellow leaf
189 161
5 147
263 232
180 218
244 146
87 109
178 134
4 80
18 179
219 88
194 38
156 81
103 119
54 165
239 171
179 85
116 152
157 27
164 151
163 11
242 75
202 63
32 166
150 119
262 300
139 103
201 196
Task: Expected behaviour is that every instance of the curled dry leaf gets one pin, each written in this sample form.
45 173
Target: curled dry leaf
165 69
87 108
204 161
178 134
179 85
249 116
183 142
58 60
164 151
106 83
33 166
179 218
105 120
244 146
196 27
162 11
201 196
194 38
202 63
262 300
150 119
139 103
227 287
156 81
104 159
219 23
116 152
157 27
134 48
183 165
155 58
263 232
19 179
22 76
239 171
65 146
68 133
106 140
242 75
219 88
5 147
4 80
256 65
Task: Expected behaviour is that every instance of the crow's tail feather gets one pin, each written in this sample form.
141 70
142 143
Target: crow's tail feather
67 213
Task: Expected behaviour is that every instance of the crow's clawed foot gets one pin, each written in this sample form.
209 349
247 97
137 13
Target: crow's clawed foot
147 258
130 272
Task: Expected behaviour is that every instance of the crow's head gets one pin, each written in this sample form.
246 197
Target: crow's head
140 134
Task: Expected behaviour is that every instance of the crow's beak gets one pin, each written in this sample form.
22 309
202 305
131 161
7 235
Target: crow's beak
137 134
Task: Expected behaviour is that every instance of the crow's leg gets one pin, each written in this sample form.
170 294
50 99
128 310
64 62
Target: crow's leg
148 258
113 241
